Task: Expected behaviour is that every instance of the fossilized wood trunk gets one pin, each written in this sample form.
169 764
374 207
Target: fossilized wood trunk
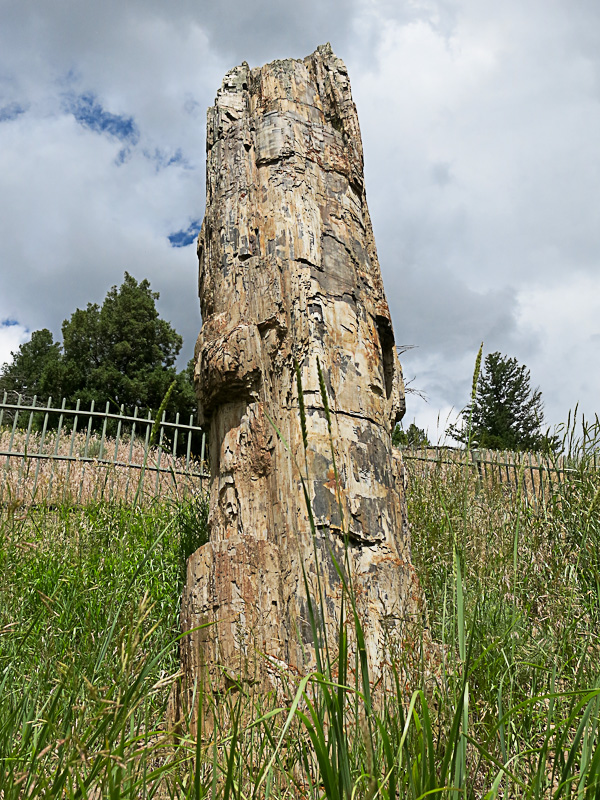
289 273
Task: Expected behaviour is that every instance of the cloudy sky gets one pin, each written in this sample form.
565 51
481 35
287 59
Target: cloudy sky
481 129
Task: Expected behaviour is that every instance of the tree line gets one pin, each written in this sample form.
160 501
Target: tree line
123 353
506 413
120 352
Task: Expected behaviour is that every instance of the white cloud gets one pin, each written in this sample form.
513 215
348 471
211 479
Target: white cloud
480 141
566 316
480 125
12 336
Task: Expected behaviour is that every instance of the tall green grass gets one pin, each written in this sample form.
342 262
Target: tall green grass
88 644
89 602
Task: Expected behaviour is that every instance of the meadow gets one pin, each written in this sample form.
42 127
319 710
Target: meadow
89 604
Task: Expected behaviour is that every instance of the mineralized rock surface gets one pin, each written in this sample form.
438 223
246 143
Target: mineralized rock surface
289 274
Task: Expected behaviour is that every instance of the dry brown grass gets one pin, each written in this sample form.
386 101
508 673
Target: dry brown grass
44 472
534 475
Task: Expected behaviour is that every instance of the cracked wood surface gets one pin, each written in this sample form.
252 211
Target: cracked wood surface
288 273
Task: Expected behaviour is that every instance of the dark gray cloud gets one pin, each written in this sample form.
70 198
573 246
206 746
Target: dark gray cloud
480 127
262 30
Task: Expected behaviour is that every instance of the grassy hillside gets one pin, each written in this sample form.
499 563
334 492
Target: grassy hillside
89 601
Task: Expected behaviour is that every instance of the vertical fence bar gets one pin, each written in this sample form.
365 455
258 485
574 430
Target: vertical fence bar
484 463
41 448
550 480
515 473
130 455
113 476
56 446
188 451
533 486
160 447
66 489
505 456
86 447
175 434
140 491
523 476
103 437
174 465
202 454
1 435
24 464
189 443
101 453
10 447
542 467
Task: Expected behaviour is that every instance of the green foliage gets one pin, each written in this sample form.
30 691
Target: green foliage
506 413
413 437
508 706
191 526
36 369
121 352
530 605
578 502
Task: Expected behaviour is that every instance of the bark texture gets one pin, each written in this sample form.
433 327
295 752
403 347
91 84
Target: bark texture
288 274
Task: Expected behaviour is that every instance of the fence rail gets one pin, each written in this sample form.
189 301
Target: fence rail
535 475
54 454
46 454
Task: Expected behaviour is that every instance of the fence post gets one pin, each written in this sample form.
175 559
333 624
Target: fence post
56 446
86 449
131 442
22 446
477 467
26 447
71 445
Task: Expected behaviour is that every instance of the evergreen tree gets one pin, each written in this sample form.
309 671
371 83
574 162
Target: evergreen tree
507 413
36 368
121 352
413 437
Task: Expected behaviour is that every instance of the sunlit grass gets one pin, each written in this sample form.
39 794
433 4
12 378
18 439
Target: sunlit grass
89 604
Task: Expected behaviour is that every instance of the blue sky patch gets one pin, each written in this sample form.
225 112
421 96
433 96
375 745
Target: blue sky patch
185 237
8 323
122 156
11 111
163 159
89 112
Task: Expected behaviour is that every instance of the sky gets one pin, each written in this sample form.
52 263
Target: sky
481 131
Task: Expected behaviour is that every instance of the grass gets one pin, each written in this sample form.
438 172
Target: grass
88 643
55 470
89 601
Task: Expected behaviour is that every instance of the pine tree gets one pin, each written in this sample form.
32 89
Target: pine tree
413 437
121 352
507 413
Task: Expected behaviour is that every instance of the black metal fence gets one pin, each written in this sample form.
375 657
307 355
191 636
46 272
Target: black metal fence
47 451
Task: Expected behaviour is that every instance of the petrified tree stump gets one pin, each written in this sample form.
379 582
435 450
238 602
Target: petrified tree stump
289 273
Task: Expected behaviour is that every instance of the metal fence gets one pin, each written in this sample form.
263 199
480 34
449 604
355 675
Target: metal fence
537 476
55 455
